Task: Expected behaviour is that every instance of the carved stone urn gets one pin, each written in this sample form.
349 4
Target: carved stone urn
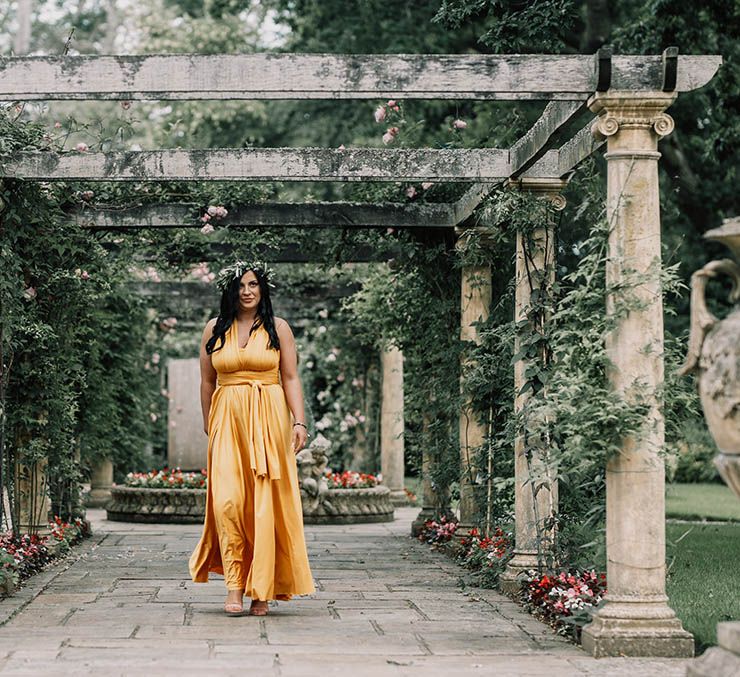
714 354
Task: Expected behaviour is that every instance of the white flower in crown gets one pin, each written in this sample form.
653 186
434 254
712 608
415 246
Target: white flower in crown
237 269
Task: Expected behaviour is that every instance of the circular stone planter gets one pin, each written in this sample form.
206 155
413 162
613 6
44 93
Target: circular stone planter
349 506
140 504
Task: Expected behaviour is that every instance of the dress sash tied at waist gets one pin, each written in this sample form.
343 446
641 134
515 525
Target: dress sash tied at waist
263 458
245 378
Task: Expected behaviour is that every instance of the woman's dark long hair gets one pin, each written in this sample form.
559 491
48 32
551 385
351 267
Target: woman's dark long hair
230 306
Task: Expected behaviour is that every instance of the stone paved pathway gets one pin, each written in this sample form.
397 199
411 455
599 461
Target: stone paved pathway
385 605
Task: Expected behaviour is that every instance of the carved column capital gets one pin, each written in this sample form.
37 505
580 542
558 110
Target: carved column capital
619 111
547 188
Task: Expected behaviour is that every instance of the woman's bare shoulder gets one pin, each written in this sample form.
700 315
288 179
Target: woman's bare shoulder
209 326
282 325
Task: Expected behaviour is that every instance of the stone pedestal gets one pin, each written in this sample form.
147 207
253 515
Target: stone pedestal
101 480
187 444
722 660
636 619
535 492
392 425
475 307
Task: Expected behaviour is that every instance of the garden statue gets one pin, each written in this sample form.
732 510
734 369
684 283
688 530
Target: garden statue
714 354
312 462
325 504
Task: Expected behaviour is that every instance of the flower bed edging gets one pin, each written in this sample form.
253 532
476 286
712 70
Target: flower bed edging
170 506
350 506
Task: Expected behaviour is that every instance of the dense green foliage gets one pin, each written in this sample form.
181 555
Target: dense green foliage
73 339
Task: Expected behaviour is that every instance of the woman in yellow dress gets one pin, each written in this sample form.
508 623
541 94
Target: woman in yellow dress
253 527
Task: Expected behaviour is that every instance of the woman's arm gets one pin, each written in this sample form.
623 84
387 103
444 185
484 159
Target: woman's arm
207 375
291 382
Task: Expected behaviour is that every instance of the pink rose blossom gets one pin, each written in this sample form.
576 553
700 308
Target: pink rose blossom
379 114
155 358
57 125
205 218
426 185
411 192
459 124
82 147
125 105
29 293
387 138
87 195
207 229
85 275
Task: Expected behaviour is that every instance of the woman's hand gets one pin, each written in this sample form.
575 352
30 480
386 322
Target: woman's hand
300 435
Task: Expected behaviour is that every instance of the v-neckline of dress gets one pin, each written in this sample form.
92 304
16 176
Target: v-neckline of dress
249 336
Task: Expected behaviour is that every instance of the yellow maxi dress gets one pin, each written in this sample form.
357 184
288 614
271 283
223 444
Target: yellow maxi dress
253 527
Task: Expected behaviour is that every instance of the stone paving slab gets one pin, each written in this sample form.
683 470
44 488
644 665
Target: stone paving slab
385 605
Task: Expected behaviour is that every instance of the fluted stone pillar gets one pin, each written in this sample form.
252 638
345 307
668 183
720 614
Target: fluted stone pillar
475 307
392 425
636 619
101 480
535 492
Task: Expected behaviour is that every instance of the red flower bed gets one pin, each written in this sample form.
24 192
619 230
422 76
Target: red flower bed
349 479
25 555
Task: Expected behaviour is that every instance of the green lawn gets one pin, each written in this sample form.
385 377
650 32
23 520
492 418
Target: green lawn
702 577
701 502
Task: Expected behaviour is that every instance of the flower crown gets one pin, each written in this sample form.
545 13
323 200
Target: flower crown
237 269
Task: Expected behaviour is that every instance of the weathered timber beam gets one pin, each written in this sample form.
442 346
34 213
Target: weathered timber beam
465 206
575 151
223 252
329 76
536 142
274 215
265 164
561 162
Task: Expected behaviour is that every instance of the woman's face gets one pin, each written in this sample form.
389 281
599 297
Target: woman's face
249 291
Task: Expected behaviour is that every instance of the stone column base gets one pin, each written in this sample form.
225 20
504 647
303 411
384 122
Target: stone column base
637 627
523 560
722 660
425 514
97 498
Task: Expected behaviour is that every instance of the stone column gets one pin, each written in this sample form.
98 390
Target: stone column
535 493
435 501
636 619
392 424
101 480
34 504
475 306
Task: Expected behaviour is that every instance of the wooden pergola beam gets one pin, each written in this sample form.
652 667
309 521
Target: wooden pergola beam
264 164
222 251
330 76
536 142
275 215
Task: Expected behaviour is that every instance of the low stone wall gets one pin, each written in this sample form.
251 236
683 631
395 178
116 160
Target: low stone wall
174 506
349 506
187 506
